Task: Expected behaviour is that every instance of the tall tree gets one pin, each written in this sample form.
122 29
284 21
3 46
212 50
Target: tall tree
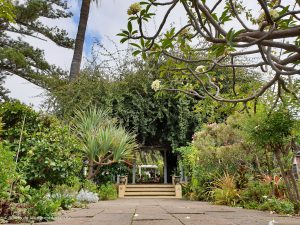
17 56
79 42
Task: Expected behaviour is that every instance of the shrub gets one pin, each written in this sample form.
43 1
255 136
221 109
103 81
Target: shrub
42 205
278 206
225 191
66 195
66 201
7 171
48 152
256 191
108 192
90 186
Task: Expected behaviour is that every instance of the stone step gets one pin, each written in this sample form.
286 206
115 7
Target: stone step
149 186
152 197
153 189
150 193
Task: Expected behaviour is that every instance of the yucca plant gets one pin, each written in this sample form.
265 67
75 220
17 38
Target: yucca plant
225 191
102 140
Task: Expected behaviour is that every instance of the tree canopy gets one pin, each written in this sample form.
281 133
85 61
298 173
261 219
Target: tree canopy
17 55
272 40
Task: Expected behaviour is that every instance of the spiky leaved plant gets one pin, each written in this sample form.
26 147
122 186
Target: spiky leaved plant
102 140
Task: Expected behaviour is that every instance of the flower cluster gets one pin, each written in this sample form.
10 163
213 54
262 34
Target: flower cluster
87 196
200 69
134 9
262 17
274 13
156 85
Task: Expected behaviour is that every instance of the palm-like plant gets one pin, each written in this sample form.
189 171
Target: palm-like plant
103 142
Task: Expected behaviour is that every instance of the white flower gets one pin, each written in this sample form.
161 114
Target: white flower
156 85
274 13
200 69
265 196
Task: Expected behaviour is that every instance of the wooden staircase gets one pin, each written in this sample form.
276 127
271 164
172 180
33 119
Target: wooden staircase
150 191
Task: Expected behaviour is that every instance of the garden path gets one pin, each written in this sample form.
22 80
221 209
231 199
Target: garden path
167 212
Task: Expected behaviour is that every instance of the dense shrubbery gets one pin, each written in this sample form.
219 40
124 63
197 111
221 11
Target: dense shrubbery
43 146
41 167
226 164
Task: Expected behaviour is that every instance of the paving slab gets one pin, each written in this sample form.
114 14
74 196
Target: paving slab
166 212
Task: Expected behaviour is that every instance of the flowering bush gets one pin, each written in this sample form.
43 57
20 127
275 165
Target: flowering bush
87 196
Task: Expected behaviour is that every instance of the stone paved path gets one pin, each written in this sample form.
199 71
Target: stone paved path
167 212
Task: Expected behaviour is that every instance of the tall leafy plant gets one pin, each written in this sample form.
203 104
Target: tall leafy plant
102 140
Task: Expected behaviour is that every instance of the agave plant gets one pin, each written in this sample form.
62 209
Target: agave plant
102 140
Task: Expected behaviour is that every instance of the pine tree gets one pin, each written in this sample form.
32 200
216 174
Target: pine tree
19 57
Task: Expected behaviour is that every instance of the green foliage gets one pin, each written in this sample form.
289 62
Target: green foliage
6 11
51 157
90 186
102 141
65 195
108 191
48 151
225 191
278 206
7 171
270 129
89 89
17 56
66 202
255 192
41 205
222 146
165 119
110 172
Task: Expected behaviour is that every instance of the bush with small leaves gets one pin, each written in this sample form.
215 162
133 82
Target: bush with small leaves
278 206
108 192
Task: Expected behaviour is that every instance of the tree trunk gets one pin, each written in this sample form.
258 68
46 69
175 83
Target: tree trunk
79 42
91 170
291 185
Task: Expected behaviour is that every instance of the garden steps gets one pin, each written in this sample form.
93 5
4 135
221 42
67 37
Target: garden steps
150 191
